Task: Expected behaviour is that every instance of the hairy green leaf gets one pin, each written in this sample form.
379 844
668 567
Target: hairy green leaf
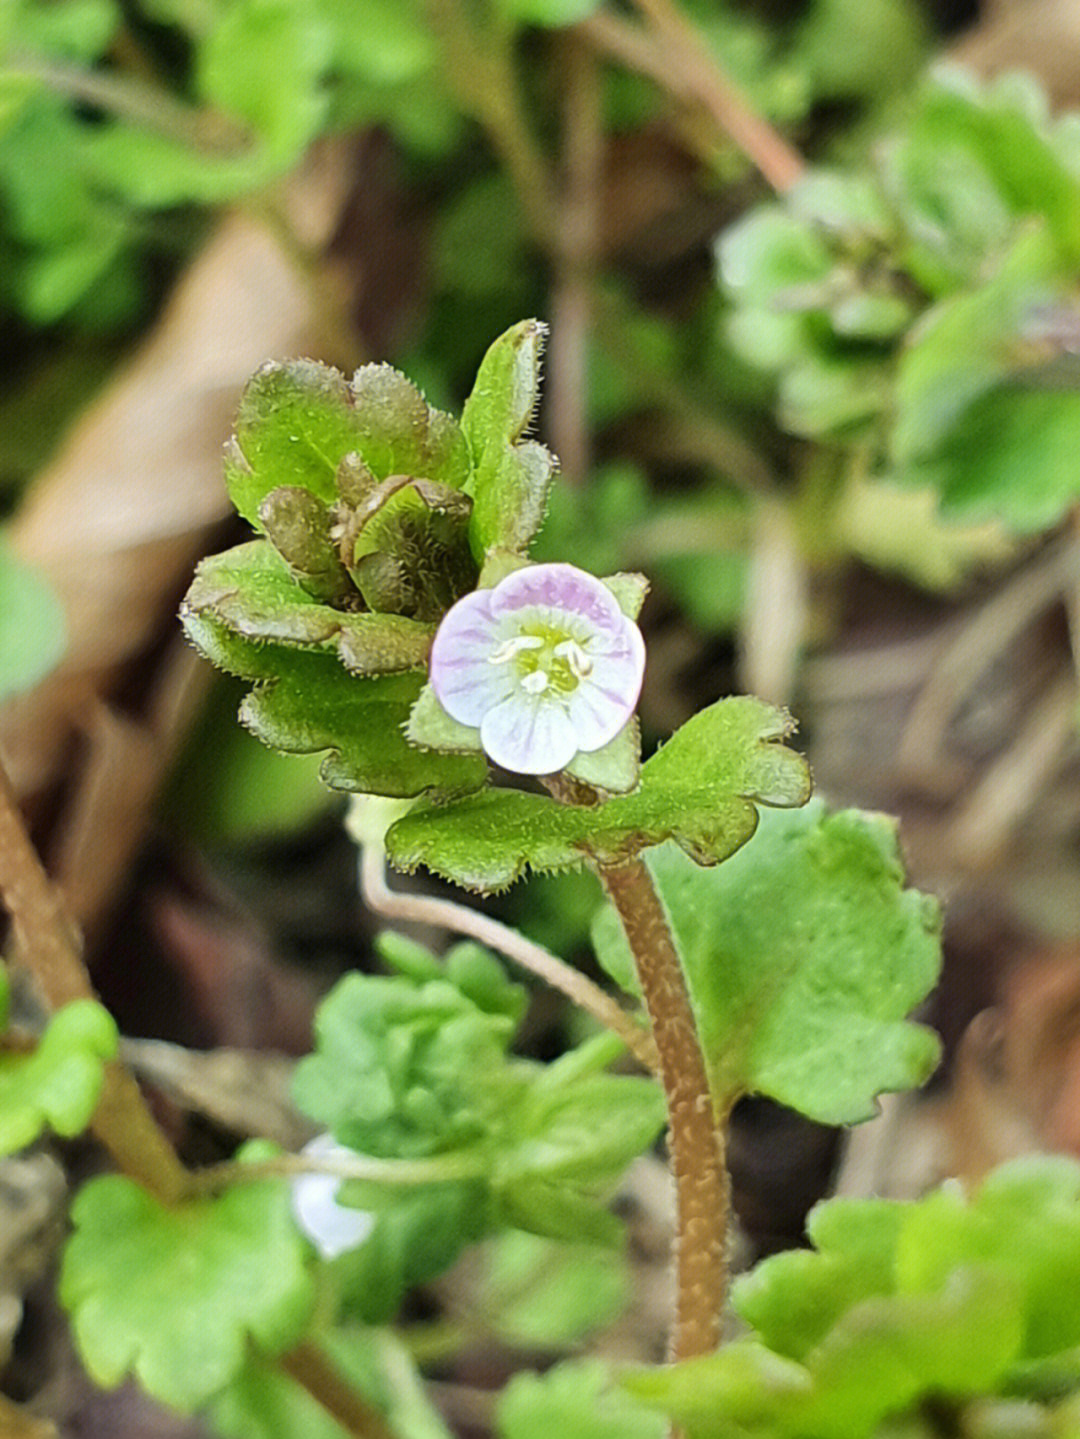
803 954
701 789
298 420
250 590
175 1295
511 474
933 1306
404 1069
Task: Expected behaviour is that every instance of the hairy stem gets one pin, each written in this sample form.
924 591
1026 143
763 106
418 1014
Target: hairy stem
50 948
460 919
695 1137
308 1368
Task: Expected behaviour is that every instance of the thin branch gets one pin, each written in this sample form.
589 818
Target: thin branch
695 1133
672 53
460 919
438 1169
50 948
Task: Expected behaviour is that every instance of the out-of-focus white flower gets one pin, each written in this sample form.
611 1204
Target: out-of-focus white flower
332 1227
545 665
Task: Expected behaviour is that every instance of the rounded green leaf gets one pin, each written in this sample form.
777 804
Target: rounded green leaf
58 1085
175 1295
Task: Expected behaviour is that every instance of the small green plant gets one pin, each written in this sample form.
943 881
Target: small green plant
915 312
481 707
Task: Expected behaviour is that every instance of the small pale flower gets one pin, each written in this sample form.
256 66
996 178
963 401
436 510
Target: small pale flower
333 1228
545 665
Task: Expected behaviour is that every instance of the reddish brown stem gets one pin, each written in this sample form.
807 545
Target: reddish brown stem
695 1137
50 947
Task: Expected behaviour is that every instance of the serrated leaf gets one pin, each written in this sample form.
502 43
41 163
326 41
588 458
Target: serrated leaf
794 1299
968 343
58 1084
701 789
510 474
803 954
404 1069
298 420
175 1295
995 154
901 1308
1024 1222
885 1352
742 1389
250 591
576 1401
308 703
1011 459
586 1132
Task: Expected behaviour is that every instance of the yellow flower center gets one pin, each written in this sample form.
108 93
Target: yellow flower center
546 660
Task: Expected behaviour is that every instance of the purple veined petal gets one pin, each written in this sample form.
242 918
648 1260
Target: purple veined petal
465 681
528 736
619 662
562 587
597 714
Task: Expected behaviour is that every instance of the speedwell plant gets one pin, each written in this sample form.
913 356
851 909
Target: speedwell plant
387 613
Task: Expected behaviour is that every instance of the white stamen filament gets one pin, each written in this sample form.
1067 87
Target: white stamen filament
511 648
576 659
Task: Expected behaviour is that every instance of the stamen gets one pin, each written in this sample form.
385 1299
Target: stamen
577 661
535 683
511 648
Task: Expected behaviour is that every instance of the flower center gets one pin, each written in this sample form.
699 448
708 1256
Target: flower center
546 659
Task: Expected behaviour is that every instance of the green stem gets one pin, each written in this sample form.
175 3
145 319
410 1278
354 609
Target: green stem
359 1418
695 1137
439 1169
50 947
